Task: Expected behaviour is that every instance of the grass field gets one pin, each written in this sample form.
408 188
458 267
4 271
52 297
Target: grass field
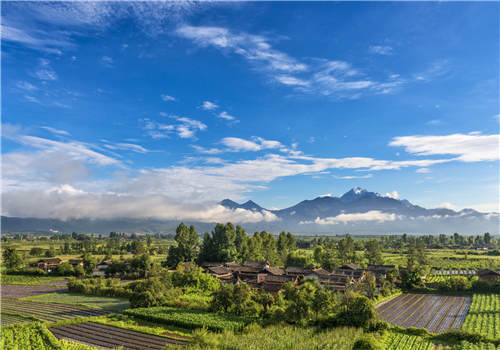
92 301
284 336
187 318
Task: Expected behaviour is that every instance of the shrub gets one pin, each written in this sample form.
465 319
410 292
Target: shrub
367 342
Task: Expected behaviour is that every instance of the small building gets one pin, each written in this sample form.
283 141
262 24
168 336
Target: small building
272 283
276 271
257 264
488 275
351 266
49 264
358 275
297 271
76 262
100 269
220 272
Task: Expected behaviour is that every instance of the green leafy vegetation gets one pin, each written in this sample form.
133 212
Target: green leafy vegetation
187 318
484 315
26 337
280 336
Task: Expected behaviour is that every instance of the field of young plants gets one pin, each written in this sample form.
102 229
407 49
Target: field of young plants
48 312
284 336
27 337
398 341
436 313
484 315
188 318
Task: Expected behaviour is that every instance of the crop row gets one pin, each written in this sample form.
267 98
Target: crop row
484 315
436 313
48 312
26 337
397 341
188 318
111 337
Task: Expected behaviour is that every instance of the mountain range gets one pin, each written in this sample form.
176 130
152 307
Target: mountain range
356 211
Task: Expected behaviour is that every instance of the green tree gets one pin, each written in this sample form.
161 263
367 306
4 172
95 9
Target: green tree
373 253
65 269
11 258
187 240
51 252
346 251
89 263
36 251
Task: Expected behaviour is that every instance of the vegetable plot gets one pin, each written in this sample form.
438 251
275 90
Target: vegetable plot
48 312
109 337
484 315
436 313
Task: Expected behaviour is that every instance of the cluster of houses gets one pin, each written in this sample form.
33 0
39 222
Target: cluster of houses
260 274
50 264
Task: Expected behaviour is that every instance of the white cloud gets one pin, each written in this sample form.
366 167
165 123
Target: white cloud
46 74
434 122
64 202
381 50
55 131
24 85
423 170
32 99
472 147
235 144
289 80
167 98
350 177
226 116
208 106
372 215
127 147
335 78
186 128
51 42
254 48
394 195
448 205
107 60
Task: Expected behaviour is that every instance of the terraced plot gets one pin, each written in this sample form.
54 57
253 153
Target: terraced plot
108 337
48 312
436 313
6 320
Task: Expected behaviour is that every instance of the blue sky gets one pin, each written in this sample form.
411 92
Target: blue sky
142 109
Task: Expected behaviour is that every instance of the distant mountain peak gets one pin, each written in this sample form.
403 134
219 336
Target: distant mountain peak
356 193
248 205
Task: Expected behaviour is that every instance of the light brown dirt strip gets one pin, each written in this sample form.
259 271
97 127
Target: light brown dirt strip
405 310
397 305
426 310
418 310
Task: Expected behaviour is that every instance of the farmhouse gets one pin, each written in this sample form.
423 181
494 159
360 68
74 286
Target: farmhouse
488 275
220 272
76 262
100 269
297 271
48 264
